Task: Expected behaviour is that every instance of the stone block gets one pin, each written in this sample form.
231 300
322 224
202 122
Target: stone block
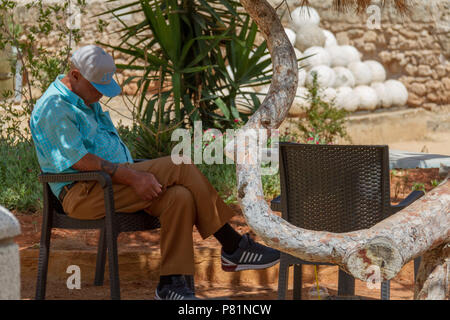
418 88
424 70
9 256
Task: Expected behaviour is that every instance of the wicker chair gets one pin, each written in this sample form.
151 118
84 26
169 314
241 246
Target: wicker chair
111 225
335 188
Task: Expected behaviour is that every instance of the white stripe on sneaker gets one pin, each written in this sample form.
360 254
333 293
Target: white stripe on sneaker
243 257
250 258
260 257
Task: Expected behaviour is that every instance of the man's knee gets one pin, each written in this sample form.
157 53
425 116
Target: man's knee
181 196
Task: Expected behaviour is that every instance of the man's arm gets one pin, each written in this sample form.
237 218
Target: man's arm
144 183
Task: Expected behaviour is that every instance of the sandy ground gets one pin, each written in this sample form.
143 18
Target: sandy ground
438 143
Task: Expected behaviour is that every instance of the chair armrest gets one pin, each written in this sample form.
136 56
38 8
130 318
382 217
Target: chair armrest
275 204
102 177
413 196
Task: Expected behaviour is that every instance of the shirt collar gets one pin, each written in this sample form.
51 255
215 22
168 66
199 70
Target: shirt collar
71 96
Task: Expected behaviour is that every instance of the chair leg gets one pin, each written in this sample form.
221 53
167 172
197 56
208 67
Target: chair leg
101 259
346 284
385 290
297 294
44 251
283 277
113 263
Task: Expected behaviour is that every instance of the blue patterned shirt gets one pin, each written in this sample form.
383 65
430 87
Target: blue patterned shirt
65 129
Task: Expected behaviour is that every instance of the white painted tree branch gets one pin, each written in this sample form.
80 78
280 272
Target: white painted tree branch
389 245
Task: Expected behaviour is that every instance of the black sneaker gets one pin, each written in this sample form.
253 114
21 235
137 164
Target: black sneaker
177 290
249 255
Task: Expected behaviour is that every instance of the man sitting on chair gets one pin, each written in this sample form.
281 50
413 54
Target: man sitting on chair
71 134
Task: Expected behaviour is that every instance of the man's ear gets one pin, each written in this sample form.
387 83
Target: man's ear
75 74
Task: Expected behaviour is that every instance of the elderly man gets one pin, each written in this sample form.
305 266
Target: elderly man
72 134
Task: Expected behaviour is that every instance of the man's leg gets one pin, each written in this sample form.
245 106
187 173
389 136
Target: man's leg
212 212
85 201
176 211
238 252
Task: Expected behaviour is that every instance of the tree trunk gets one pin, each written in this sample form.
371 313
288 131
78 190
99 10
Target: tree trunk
390 244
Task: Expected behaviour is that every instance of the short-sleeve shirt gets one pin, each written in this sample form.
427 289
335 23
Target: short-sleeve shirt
65 129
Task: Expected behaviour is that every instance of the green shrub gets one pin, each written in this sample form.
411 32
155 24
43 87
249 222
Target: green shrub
19 169
323 121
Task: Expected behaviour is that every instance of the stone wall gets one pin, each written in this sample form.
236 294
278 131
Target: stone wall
414 49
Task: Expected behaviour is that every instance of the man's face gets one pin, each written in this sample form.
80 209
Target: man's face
84 88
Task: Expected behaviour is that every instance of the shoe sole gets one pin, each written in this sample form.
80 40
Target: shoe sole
229 266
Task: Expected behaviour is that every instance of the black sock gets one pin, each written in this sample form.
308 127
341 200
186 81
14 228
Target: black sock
228 238
163 280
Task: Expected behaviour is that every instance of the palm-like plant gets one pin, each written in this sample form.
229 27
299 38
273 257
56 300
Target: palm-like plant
185 46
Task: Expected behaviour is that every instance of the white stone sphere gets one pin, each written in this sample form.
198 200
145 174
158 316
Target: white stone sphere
265 57
230 72
302 77
377 70
304 15
342 56
300 102
398 92
361 72
325 76
384 97
328 95
298 53
309 35
344 77
242 99
338 56
368 98
352 52
318 57
291 35
330 39
346 99
262 89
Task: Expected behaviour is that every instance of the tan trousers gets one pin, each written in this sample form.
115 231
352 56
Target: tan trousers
188 199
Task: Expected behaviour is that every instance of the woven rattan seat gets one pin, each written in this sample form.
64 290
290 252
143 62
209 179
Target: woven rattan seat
335 188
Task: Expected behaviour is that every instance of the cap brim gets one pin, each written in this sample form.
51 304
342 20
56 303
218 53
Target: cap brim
110 90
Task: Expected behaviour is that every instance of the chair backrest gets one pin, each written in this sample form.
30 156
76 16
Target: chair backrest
336 188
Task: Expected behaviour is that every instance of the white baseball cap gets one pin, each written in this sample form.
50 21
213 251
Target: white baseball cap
98 67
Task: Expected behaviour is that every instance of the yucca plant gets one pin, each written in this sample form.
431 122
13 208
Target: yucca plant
185 47
247 67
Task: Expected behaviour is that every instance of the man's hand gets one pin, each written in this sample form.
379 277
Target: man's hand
146 186
144 183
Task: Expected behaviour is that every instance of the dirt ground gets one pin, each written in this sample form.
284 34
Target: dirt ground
401 286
